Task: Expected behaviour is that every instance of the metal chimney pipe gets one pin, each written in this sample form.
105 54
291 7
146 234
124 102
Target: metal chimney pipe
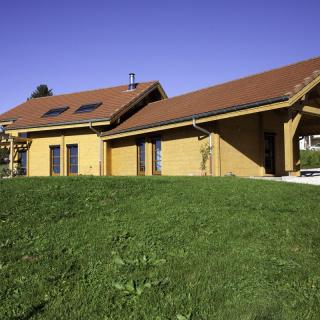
132 83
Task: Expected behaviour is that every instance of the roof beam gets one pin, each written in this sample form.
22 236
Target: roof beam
311 111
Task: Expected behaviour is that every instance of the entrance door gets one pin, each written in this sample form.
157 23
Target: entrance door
269 151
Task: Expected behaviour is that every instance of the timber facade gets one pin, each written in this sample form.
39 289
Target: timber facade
248 127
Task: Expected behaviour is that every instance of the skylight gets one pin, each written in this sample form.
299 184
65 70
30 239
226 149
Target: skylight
88 107
55 112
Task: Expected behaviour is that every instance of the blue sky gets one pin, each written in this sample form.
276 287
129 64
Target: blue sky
79 45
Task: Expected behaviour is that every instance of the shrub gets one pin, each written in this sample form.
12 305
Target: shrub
205 152
310 159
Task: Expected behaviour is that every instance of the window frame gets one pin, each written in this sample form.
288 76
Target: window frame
52 173
154 161
94 106
138 143
61 109
69 146
24 169
272 169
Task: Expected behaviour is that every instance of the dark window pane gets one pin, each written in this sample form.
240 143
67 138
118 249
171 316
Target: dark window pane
73 160
141 155
55 112
56 151
158 166
158 145
74 169
157 155
23 159
88 107
56 169
23 134
73 151
56 161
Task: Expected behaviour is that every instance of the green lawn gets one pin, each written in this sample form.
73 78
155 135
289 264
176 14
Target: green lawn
158 248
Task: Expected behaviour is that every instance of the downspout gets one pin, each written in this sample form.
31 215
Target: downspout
100 146
210 142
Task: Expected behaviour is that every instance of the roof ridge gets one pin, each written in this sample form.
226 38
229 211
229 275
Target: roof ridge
241 78
90 90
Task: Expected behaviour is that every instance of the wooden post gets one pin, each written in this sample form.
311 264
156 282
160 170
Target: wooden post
28 159
288 145
62 159
261 144
101 156
107 158
11 157
291 124
216 151
148 157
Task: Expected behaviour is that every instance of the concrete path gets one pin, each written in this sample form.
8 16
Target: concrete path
308 176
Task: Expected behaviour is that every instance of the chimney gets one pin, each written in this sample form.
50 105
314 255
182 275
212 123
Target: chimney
132 83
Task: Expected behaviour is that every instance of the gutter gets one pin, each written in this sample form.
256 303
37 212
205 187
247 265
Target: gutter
203 115
54 124
100 146
210 142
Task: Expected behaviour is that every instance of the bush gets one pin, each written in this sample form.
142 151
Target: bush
310 159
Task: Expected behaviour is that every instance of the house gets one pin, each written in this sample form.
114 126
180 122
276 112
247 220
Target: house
60 135
248 127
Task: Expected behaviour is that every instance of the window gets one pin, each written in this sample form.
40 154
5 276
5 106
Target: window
141 157
55 112
22 156
22 160
55 160
156 156
269 153
72 159
88 107
23 134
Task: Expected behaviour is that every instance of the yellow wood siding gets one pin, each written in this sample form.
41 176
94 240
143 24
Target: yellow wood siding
181 151
88 148
241 143
124 157
239 146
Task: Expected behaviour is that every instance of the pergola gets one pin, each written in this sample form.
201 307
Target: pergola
14 145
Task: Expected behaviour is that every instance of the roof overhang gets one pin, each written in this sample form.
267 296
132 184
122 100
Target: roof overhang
6 122
61 125
83 123
260 106
285 101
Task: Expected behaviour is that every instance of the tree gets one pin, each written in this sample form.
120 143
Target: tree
41 91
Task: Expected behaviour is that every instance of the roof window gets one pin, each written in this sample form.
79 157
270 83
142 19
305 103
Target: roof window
88 107
55 112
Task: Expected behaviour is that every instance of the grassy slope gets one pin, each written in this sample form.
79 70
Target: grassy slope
158 248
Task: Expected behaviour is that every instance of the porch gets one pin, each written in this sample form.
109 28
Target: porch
302 119
17 148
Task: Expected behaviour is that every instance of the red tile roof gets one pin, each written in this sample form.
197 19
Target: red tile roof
272 84
29 113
